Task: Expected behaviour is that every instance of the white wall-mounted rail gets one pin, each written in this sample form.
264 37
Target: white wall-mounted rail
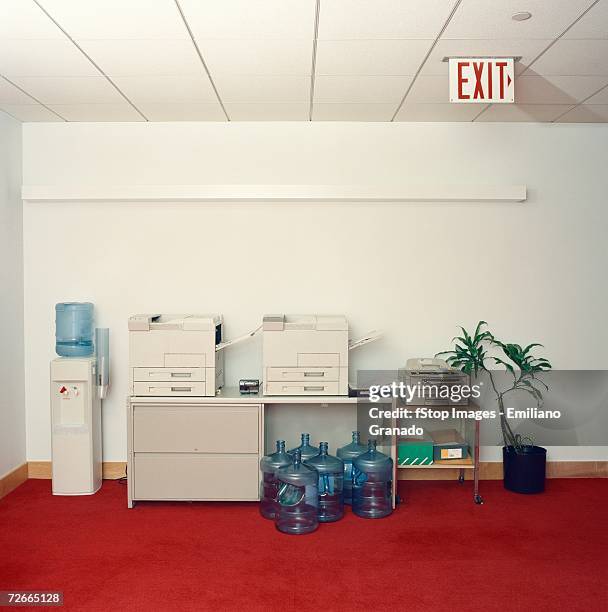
277 193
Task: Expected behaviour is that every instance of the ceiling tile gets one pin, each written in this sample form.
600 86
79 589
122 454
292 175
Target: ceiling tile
144 57
586 113
532 89
430 89
368 89
185 111
268 112
9 94
438 112
43 58
30 112
103 19
528 50
593 25
98 112
574 57
375 57
70 90
346 19
248 88
163 89
258 56
492 20
523 112
601 97
25 20
246 19
353 112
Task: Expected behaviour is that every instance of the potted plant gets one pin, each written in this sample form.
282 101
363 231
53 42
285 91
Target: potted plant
524 463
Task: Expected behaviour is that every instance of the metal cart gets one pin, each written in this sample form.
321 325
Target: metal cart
469 429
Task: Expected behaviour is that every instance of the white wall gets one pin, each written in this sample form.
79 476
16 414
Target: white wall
534 270
12 402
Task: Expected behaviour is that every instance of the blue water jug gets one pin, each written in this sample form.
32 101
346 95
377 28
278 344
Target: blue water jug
372 483
298 498
347 454
74 329
306 450
269 486
331 478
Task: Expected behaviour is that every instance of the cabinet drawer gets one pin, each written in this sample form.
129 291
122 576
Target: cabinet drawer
170 389
195 477
196 429
310 373
299 388
169 374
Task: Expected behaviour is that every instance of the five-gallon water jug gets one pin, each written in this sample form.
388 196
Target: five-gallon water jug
372 483
269 486
347 454
306 450
74 329
331 478
298 498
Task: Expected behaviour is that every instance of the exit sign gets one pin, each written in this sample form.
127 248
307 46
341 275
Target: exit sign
481 80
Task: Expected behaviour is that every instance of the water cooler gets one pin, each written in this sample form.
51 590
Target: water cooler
79 381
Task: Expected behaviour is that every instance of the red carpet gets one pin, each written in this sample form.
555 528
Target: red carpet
438 551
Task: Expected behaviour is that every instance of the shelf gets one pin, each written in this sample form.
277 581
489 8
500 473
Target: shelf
465 464
276 193
231 395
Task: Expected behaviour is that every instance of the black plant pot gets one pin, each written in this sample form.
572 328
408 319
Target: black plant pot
524 471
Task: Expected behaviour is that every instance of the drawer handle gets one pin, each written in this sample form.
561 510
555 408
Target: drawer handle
315 374
181 389
181 374
311 388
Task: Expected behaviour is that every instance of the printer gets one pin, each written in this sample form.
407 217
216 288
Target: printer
175 355
305 354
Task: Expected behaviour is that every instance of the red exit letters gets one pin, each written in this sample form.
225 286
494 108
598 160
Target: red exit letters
478 80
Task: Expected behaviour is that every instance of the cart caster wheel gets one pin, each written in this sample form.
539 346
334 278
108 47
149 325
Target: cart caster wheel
478 499
460 479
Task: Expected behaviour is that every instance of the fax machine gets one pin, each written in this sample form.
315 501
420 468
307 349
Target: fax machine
175 355
305 354
433 380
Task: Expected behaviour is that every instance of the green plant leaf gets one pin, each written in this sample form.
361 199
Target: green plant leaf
530 388
470 355
508 366
527 349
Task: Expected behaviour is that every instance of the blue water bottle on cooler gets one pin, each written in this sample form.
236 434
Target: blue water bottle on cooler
74 329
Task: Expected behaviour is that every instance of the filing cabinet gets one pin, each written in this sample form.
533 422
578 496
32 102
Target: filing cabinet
193 451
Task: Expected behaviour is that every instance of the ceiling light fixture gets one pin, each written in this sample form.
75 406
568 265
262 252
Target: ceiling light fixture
522 16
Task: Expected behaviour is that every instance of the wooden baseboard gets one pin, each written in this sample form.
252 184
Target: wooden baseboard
488 470
13 479
492 470
577 469
114 469
39 469
111 469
